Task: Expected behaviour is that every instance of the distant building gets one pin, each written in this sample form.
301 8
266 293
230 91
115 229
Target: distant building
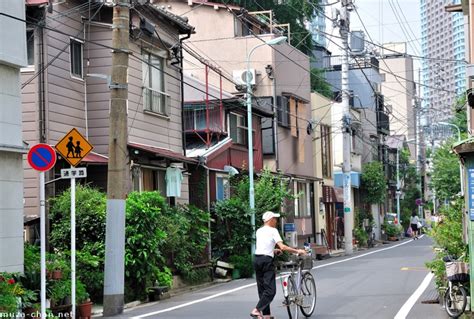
442 37
399 90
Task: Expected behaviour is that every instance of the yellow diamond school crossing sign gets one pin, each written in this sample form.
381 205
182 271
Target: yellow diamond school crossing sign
73 147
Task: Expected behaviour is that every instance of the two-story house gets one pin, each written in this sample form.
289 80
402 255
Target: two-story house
66 85
225 35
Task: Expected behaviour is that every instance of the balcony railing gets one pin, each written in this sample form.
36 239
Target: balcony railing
196 119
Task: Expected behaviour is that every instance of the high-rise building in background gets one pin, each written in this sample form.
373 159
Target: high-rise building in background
443 69
319 24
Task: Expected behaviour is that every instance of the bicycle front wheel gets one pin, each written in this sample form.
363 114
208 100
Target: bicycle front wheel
308 289
291 299
455 301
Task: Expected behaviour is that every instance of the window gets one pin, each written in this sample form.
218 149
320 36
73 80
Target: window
75 58
154 97
268 136
222 187
326 146
30 47
237 129
302 202
152 180
283 112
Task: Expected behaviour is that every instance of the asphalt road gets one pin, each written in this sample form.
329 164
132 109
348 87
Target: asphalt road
376 283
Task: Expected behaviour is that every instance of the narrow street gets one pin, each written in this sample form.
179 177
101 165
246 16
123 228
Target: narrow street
371 284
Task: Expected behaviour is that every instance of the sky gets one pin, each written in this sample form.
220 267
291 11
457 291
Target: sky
382 19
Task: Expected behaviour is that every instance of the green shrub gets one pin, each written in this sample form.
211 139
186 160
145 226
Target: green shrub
164 277
232 233
144 236
391 230
243 263
197 276
361 236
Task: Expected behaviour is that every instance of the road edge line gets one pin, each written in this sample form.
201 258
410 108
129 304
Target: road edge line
406 308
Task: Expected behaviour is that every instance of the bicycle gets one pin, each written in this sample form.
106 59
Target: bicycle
299 287
455 296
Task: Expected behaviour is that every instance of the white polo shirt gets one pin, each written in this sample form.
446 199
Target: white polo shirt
267 237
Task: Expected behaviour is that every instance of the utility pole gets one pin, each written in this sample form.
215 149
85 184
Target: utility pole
118 168
398 184
346 126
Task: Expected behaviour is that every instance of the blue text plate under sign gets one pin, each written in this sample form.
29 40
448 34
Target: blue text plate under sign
289 227
470 180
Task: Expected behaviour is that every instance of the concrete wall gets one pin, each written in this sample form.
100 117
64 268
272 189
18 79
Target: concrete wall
12 58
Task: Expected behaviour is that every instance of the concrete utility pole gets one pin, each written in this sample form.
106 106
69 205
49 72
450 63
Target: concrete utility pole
398 185
118 171
346 126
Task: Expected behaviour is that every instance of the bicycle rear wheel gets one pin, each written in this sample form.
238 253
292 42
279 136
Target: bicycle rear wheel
290 300
455 301
308 289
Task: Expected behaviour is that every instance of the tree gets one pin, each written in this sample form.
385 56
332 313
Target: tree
445 176
294 12
374 182
319 83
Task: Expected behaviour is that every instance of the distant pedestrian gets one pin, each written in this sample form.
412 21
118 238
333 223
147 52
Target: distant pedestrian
414 221
267 238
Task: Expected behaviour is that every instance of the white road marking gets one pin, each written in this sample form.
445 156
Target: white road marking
405 309
254 284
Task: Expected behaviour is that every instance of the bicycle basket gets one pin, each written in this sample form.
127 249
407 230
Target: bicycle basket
457 271
306 262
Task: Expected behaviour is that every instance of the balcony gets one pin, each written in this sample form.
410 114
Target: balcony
199 120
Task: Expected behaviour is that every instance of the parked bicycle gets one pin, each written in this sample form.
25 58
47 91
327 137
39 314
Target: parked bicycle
299 287
455 295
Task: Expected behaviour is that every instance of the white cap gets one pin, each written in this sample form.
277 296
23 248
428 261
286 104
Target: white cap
269 215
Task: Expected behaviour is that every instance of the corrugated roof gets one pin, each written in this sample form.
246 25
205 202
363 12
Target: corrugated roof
181 22
162 152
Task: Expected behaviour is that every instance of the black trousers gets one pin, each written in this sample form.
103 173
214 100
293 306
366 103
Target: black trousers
266 284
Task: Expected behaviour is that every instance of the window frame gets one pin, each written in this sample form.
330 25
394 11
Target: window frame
147 65
81 60
226 186
282 109
304 199
326 146
244 128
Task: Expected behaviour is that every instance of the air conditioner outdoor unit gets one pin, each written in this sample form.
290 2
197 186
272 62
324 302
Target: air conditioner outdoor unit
240 77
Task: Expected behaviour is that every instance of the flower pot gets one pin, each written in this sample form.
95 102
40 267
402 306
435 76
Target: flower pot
236 273
85 310
392 238
57 274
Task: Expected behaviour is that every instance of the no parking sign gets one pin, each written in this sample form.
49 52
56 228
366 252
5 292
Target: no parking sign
42 157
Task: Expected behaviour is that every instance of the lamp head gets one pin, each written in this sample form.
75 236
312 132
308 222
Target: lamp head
276 41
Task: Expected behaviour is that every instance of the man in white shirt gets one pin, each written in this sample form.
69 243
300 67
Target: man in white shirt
267 238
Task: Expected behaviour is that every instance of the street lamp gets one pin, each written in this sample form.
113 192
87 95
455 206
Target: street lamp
274 41
460 165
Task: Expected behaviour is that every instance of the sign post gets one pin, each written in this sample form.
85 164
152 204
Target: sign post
73 147
42 157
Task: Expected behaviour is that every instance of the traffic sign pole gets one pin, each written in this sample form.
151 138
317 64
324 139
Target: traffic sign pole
73 245
43 245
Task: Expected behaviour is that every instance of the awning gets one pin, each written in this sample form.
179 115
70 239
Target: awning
95 158
162 152
355 179
329 194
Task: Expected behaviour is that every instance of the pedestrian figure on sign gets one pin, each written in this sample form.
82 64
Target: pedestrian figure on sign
267 238
70 148
78 149
414 222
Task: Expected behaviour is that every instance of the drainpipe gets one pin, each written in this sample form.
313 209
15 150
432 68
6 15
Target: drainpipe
209 210
41 88
275 122
85 89
183 134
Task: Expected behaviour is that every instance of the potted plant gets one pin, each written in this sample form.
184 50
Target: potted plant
10 291
83 301
391 231
59 293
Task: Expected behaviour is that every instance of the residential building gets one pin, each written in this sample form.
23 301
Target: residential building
280 83
325 192
399 91
370 123
442 40
12 58
67 86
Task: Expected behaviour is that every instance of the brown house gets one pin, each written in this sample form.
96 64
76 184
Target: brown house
67 86
280 81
